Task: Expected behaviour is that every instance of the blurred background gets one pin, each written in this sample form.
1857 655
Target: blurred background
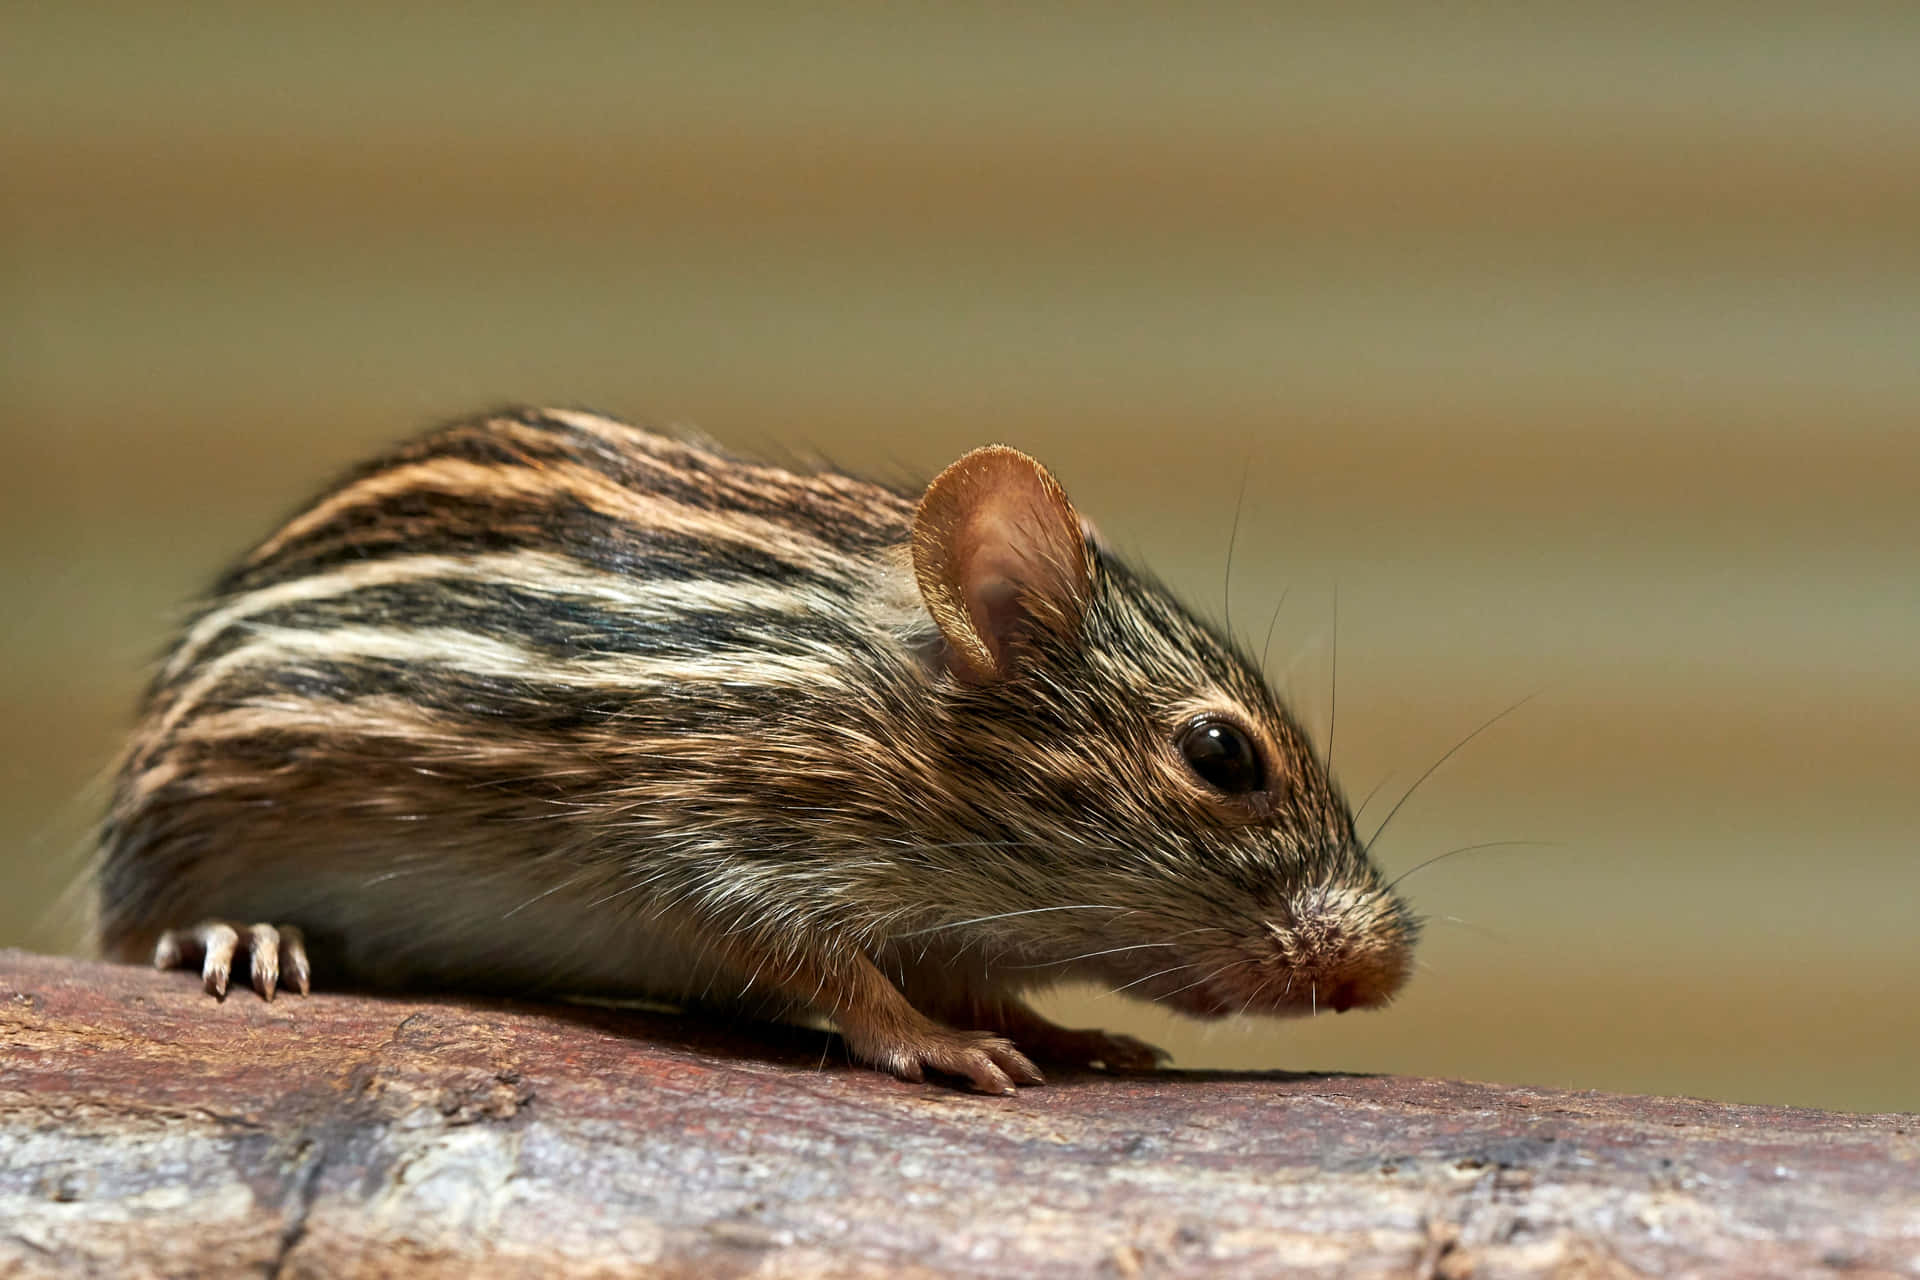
1572 348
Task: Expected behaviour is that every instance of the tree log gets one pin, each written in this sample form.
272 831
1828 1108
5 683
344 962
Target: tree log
147 1130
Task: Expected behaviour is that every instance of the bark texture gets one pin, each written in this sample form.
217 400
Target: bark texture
146 1130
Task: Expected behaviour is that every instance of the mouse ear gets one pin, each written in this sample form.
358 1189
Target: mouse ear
998 549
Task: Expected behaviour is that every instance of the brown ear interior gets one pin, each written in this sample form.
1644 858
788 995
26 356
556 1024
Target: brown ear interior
997 547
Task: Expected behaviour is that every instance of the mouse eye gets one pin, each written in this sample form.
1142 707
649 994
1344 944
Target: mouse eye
1223 756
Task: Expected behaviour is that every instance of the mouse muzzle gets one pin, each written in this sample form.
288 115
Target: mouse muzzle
1327 947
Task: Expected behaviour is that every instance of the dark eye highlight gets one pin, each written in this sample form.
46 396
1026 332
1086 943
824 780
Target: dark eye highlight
1223 756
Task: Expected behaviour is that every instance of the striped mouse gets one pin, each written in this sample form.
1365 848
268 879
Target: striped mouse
542 702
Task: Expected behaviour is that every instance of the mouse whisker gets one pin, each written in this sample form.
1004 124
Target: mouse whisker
1471 848
1233 539
1494 934
1192 964
955 844
568 883
1089 955
1266 646
1333 680
1366 800
1206 978
603 899
1264 984
1007 915
1202 928
1449 754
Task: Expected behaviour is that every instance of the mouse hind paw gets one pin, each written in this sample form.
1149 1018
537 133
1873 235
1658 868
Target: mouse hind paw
274 952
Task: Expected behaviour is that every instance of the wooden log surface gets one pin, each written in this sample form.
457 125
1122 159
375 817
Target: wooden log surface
147 1130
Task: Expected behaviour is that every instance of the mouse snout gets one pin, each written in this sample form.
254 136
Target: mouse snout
1339 949
1332 947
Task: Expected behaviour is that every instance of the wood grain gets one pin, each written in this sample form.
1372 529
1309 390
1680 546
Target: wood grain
146 1130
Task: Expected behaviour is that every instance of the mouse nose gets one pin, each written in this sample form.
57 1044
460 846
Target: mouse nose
1341 947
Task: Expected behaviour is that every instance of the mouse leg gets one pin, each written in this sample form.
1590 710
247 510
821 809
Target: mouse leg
1046 1040
879 1024
271 951
1051 1042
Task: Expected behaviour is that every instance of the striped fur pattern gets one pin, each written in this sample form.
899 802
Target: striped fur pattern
542 701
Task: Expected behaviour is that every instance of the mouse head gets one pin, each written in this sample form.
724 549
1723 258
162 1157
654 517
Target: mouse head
1121 765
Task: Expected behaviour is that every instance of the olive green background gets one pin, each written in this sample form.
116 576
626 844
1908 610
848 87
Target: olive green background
1576 351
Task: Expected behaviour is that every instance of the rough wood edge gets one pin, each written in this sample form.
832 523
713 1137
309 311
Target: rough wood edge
146 1130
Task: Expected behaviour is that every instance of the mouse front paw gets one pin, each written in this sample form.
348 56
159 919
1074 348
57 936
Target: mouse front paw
1088 1048
1050 1042
987 1062
272 951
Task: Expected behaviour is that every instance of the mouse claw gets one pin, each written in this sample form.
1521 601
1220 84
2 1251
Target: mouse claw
988 1063
1051 1043
216 943
907 1068
1115 1052
263 947
990 1079
293 959
1015 1064
271 952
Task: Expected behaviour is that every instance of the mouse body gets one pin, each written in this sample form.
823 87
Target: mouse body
543 702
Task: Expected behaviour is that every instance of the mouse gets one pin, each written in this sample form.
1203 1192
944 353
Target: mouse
542 703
